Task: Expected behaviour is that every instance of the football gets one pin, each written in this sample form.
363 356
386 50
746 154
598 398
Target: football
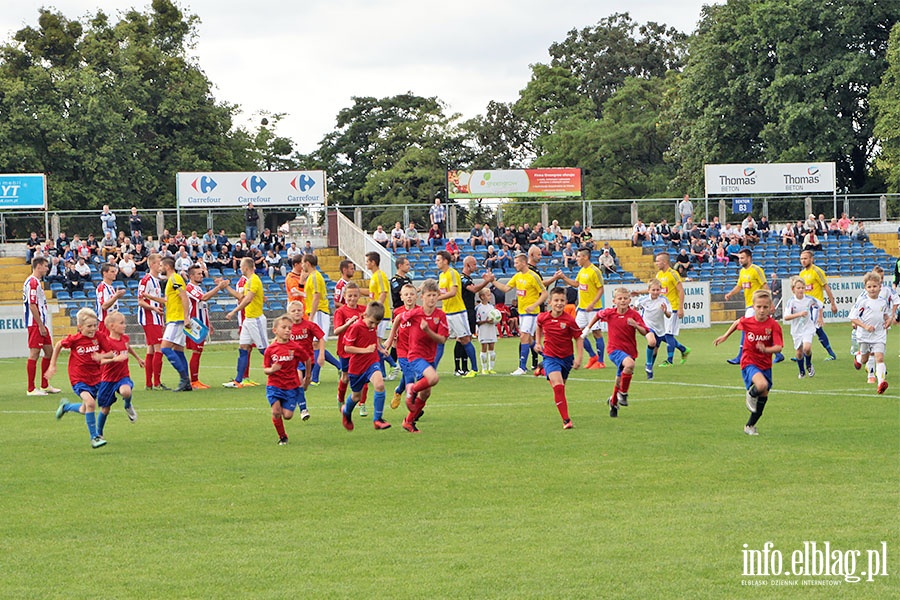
495 316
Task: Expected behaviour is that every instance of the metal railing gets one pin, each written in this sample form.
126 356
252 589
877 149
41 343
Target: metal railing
355 243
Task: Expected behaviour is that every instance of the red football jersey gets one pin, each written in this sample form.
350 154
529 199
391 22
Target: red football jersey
558 334
402 339
341 316
420 344
113 371
289 355
768 332
360 335
621 334
304 333
82 368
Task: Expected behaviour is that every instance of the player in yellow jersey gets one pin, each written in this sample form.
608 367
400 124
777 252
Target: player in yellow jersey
317 310
816 283
380 291
751 278
589 282
531 294
451 294
253 328
672 288
178 312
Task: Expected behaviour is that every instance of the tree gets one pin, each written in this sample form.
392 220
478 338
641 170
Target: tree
782 81
498 140
111 112
886 105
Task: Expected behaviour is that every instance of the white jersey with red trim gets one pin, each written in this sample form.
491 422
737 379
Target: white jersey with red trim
150 285
339 292
33 293
199 308
104 293
239 288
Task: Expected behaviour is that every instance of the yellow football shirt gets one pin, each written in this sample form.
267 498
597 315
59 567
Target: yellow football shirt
315 284
255 308
590 281
815 280
528 288
750 279
447 280
670 280
379 284
174 307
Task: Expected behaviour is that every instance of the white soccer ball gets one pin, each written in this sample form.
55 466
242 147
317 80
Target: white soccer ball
495 316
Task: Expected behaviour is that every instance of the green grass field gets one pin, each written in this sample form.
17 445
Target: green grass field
492 500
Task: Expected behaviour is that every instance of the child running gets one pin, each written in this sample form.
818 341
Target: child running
84 371
654 309
428 329
555 331
623 321
872 316
762 339
114 374
280 362
487 331
344 318
361 343
804 313
399 338
303 332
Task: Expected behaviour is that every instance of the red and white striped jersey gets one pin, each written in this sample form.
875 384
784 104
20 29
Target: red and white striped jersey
104 293
199 308
239 288
150 285
33 293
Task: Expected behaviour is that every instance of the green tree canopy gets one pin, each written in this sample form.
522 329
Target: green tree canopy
886 104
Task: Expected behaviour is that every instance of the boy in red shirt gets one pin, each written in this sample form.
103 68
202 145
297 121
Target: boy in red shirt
114 374
361 343
399 336
344 318
623 321
427 328
303 332
84 371
283 388
555 331
762 339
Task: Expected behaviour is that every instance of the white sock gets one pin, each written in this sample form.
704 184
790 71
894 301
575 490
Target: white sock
880 370
484 361
492 358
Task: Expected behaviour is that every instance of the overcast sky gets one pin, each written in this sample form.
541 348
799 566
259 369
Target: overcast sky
308 58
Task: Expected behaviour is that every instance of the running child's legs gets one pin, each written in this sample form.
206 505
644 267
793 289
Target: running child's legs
760 389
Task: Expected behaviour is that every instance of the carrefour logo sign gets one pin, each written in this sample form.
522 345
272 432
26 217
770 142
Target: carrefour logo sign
303 183
253 184
204 184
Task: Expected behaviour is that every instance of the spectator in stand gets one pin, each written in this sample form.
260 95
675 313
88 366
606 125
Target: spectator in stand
108 245
844 224
683 263
810 223
57 272
180 241
721 256
83 269
652 232
490 259
811 241
307 248
488 234
183 262
251 220
208 258
556 230
435 237
398 237
751 234
279 243
108 219
499 231
236 256
209 241
714 231
508 240
259 260
612 252
521 239
93 246
664 231
62 243
438 215
223 260
639 233
476 236
140 255
861 234
412 236
534 238
675 236
699 251
685 209
381 236
703 226
733 248
799 231
128 270
74 281
763 228
587 238
293 251
453 249
274 264
551 241
135 224
503 260
222 243
607 263
821 227
575 232
569 254
730 231
266 240
834 230
195 244
31 246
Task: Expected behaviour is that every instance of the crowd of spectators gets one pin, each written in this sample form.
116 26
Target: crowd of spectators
71 259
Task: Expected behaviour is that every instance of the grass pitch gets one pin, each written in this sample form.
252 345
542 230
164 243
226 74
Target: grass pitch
492 500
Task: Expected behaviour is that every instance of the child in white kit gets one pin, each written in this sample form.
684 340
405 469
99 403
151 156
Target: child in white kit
654 309
487 331
804 313
872 315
